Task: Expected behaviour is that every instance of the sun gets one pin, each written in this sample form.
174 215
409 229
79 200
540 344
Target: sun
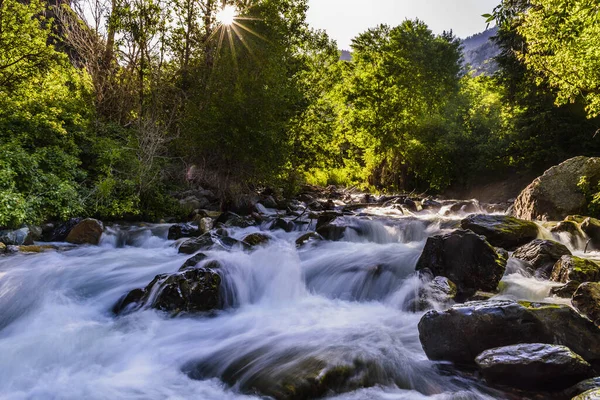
227 15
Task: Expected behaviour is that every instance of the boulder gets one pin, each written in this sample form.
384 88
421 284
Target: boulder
291 375
582 387
309 237
501 230
332 232
191 291
58 232
87 231
230 219
555 194
466 259
593 394
565 291
17 237
586 300
571 268
179 231
570 227
432 205
533 366
193 261
467 206
464 331
541 255
256 239
280 223
203 242
591 227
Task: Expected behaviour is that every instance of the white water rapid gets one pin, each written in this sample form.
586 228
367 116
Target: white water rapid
328 301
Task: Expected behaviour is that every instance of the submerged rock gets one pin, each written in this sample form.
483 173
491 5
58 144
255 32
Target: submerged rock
542 255
466 259
555 194
571 268
87 231
191 290
179 231
533 366
464 331
501 230
586 300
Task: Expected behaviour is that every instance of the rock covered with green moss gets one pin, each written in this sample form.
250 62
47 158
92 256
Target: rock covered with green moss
501 230
571 268
586 300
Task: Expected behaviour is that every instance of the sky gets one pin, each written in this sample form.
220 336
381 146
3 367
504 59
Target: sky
344 19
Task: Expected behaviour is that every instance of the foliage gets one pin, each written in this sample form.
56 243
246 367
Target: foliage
592 195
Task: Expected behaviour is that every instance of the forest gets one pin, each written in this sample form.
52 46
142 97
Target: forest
110 107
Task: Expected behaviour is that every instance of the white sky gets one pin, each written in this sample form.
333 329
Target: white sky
344 19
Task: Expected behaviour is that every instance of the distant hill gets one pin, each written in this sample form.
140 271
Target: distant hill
479 51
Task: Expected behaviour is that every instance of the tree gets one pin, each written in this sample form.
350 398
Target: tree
563 48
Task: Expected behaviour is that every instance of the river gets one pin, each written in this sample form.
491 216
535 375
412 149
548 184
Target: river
333 301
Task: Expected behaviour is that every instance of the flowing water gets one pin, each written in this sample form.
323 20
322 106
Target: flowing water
333 301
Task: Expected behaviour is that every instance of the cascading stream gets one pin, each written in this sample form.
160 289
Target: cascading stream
288 310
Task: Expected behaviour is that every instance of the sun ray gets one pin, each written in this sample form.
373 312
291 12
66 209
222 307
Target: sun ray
242 39
232 46
250 31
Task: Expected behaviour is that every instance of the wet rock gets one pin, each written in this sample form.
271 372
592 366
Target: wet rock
256 239
466 259
555 194
501 230
582 387
230 219
593 394
432 205
269 202
462 332
17 237
309 237
282 224
292 376
571 268
468 206
411 205
191 291
586 300
59 232
533 366
203 242
206 224
541 255
569 227
179 231
565 291
332 232
2 248
438 292
193 261
87 231
591 227
327 217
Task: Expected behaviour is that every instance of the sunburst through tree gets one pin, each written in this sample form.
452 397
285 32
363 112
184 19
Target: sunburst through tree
230 25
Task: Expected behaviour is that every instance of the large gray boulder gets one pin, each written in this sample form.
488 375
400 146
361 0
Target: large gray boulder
462 332
501 230
533 366
542 255
555 194
586 300
466 259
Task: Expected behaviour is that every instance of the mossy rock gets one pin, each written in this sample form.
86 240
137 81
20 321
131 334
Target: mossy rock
256 239
593 394
586 300
572 268
501 230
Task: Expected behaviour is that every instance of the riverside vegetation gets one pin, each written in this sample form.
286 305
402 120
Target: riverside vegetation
112 109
